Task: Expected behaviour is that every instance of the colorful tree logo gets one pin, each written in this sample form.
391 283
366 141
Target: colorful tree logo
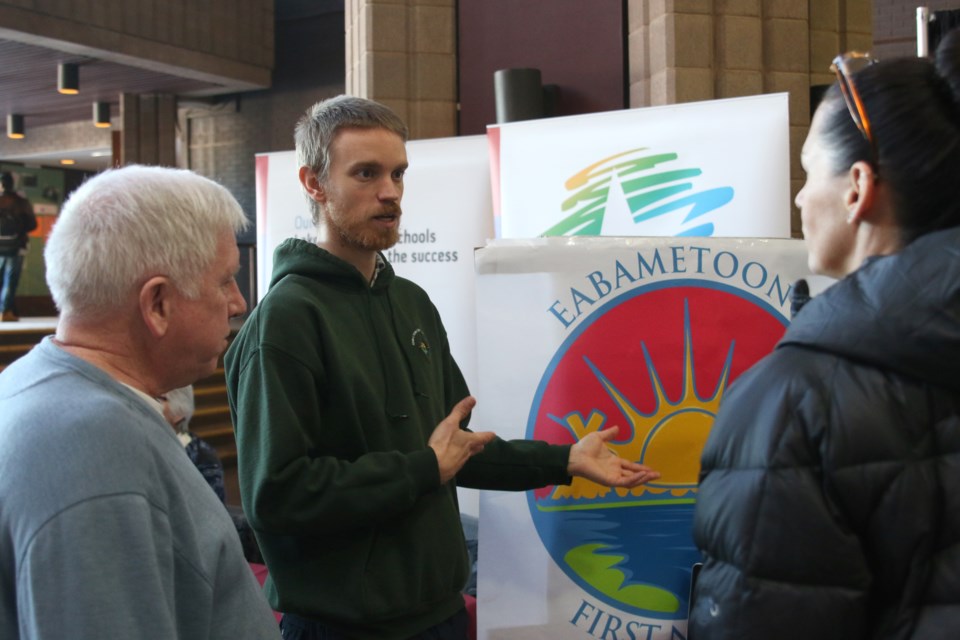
648 191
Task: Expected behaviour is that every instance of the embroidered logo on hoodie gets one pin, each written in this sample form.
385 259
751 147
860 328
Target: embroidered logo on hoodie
419 340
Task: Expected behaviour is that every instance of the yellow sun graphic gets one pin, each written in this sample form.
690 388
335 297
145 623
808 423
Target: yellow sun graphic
669 439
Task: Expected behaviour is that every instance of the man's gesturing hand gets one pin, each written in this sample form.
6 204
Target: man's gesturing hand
591 459
453 445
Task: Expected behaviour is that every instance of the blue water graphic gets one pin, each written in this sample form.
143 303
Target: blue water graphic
655 541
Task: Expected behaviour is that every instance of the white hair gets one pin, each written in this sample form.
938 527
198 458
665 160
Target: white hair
125 225
181 404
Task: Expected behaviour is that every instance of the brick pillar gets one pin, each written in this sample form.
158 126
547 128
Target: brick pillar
129 128
148 129
403 53
689 50
786 67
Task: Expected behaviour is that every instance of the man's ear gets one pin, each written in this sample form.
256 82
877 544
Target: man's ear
312 185
156 305
861 192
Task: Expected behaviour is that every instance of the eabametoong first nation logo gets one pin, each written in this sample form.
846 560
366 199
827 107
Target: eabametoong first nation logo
654 362
638 192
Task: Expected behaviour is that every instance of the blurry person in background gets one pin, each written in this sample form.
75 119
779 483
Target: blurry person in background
829 504
16 222
178 408
106 528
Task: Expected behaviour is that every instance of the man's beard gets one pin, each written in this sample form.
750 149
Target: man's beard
362 234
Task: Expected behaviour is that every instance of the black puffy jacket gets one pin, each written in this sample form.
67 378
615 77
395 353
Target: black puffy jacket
829 502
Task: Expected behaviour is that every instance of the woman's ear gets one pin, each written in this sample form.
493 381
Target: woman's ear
861 192
312 185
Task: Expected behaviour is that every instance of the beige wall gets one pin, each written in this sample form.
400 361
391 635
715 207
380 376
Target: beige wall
687 50
403 53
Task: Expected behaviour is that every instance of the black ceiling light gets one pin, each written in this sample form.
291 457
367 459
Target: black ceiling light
101 114
68 78
15 126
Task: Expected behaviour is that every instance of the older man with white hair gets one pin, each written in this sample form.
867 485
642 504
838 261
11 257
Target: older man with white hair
107 530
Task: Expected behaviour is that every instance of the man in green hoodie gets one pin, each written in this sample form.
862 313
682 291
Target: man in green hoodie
350 411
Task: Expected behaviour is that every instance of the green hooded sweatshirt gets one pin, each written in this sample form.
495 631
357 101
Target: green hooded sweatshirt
335 387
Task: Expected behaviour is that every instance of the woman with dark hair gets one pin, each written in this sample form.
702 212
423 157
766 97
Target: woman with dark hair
829 503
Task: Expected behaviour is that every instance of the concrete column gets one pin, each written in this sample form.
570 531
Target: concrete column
786 67
148 125
403 53
148 130
167 130
129 128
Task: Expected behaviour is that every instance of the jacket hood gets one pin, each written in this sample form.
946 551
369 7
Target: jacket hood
899 312
296 256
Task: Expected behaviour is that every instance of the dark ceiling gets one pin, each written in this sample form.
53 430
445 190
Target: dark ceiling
28 84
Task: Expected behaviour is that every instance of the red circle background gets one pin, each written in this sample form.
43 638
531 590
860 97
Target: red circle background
612 342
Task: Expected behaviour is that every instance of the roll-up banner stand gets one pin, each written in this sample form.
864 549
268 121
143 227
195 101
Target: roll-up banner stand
642 334
719 168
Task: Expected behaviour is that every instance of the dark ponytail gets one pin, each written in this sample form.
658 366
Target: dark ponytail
914 109
948 65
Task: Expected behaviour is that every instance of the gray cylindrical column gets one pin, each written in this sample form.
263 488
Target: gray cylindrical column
519 94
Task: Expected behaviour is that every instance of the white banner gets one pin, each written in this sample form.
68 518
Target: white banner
580 334
719 168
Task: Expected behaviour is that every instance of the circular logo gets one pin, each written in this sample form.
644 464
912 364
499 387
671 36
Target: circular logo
654 363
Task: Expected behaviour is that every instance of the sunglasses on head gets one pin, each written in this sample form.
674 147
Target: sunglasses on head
845 66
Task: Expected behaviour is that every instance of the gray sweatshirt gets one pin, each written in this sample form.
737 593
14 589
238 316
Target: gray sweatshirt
107 530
